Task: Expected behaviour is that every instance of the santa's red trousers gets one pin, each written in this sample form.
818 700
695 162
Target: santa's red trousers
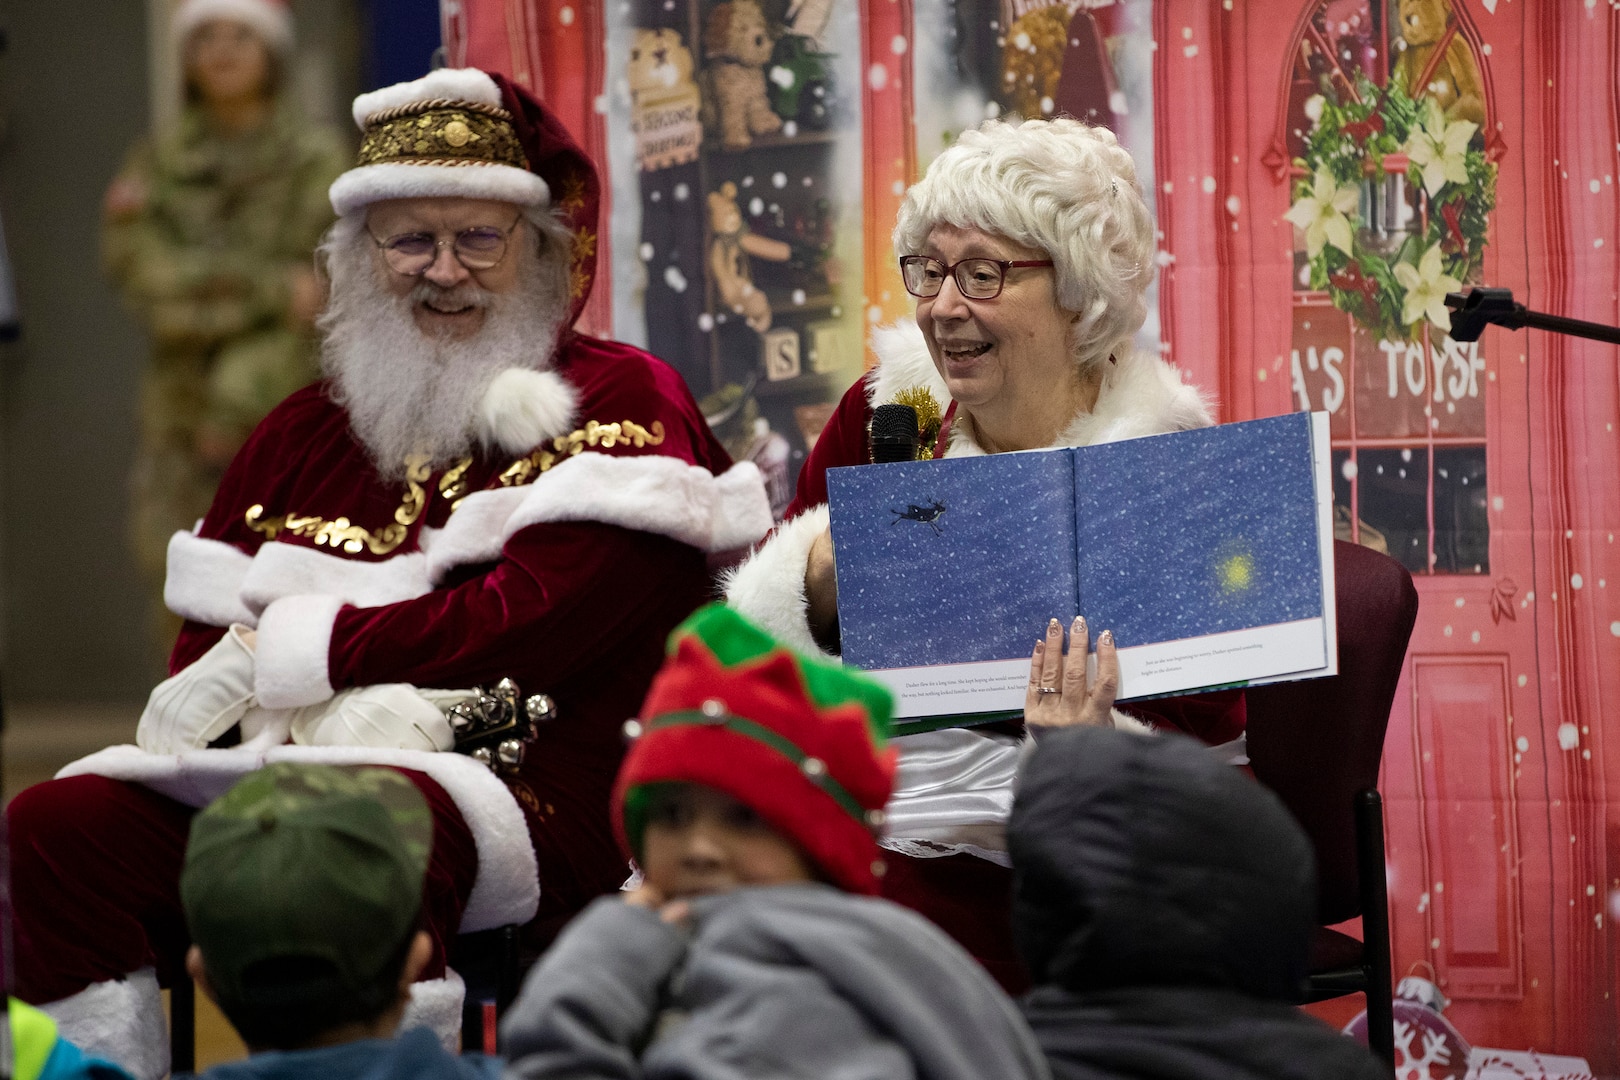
95 882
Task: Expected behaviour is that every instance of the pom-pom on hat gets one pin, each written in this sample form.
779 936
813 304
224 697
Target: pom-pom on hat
270 19
802 743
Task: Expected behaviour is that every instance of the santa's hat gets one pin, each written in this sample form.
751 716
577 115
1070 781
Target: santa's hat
466 132
270 19
447 133
800 742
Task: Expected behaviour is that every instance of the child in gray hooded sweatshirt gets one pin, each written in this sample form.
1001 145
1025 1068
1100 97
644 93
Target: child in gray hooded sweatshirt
756 945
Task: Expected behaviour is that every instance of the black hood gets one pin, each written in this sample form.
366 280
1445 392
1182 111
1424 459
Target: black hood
1146 861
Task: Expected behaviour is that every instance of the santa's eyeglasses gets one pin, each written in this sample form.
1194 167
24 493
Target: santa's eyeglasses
478 248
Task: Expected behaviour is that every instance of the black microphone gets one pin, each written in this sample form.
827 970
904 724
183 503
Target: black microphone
894 433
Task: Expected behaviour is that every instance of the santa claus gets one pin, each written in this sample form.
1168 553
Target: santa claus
476 492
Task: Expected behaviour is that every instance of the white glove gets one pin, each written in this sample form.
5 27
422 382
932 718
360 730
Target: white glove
263 728
392 715
198 705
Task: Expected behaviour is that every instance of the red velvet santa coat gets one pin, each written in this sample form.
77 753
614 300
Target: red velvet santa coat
563 567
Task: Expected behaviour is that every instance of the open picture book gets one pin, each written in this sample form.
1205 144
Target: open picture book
1208 553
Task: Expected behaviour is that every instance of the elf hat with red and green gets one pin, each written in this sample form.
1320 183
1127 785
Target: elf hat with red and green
802 743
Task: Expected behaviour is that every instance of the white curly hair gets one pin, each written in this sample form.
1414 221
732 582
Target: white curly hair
1059 186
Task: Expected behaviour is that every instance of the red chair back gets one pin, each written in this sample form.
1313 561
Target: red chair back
1318 742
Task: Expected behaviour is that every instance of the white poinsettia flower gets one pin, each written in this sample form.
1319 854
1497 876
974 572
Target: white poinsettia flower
1321 213
1440 149
1426 288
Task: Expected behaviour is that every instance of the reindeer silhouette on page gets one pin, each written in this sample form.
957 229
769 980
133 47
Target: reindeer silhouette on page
927 515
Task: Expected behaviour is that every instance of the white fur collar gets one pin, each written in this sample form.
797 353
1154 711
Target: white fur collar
523 407
1141 394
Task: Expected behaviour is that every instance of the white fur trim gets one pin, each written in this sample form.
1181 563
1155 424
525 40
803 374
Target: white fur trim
662 495
903 362
475 533
523 407
1124 721
742 508
367 184
204 580
650 493
217 584
120 1020
1140 395
436 1005
507 888
454 84
769 586
267 18
294 636
283 570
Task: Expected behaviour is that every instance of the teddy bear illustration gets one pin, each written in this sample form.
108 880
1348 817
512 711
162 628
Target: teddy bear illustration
1455 83
729 250
664 102
1032 60
738 45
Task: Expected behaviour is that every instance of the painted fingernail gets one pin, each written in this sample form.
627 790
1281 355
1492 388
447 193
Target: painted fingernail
1053 625
1105 638
1040 646
1080 622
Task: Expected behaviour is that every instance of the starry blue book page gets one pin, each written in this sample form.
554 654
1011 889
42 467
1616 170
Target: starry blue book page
1207 553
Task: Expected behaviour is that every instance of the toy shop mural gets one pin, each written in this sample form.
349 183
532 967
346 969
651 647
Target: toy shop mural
1323 173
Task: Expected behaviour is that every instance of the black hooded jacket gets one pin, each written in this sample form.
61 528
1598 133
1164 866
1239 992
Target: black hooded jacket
1163 903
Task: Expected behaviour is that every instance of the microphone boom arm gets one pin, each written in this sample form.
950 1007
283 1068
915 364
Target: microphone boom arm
1474 309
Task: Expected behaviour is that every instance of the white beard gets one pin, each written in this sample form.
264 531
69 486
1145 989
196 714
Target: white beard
410 393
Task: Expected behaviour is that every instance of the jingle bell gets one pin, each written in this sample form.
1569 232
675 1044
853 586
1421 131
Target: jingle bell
509 753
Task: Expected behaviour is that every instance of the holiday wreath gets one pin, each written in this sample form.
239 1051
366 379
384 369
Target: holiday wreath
1383 131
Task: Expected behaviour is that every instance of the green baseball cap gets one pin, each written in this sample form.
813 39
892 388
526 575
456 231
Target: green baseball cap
314 864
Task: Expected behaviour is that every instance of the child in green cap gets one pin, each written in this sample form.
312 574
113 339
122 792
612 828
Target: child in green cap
752 798
302 888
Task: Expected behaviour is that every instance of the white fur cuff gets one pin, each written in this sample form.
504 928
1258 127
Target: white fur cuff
769 587
436 1005
284 570
295 635
204 580
120 1020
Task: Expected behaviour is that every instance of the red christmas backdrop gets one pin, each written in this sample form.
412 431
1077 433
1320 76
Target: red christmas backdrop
1322 172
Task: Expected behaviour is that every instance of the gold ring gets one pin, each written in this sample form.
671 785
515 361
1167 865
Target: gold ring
1048 690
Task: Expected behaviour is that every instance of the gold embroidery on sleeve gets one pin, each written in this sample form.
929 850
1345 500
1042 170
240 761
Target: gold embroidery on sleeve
607 436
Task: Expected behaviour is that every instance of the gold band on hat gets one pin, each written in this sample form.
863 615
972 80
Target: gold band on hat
441 132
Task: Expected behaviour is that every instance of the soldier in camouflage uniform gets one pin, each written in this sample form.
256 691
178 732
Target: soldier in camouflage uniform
208 233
